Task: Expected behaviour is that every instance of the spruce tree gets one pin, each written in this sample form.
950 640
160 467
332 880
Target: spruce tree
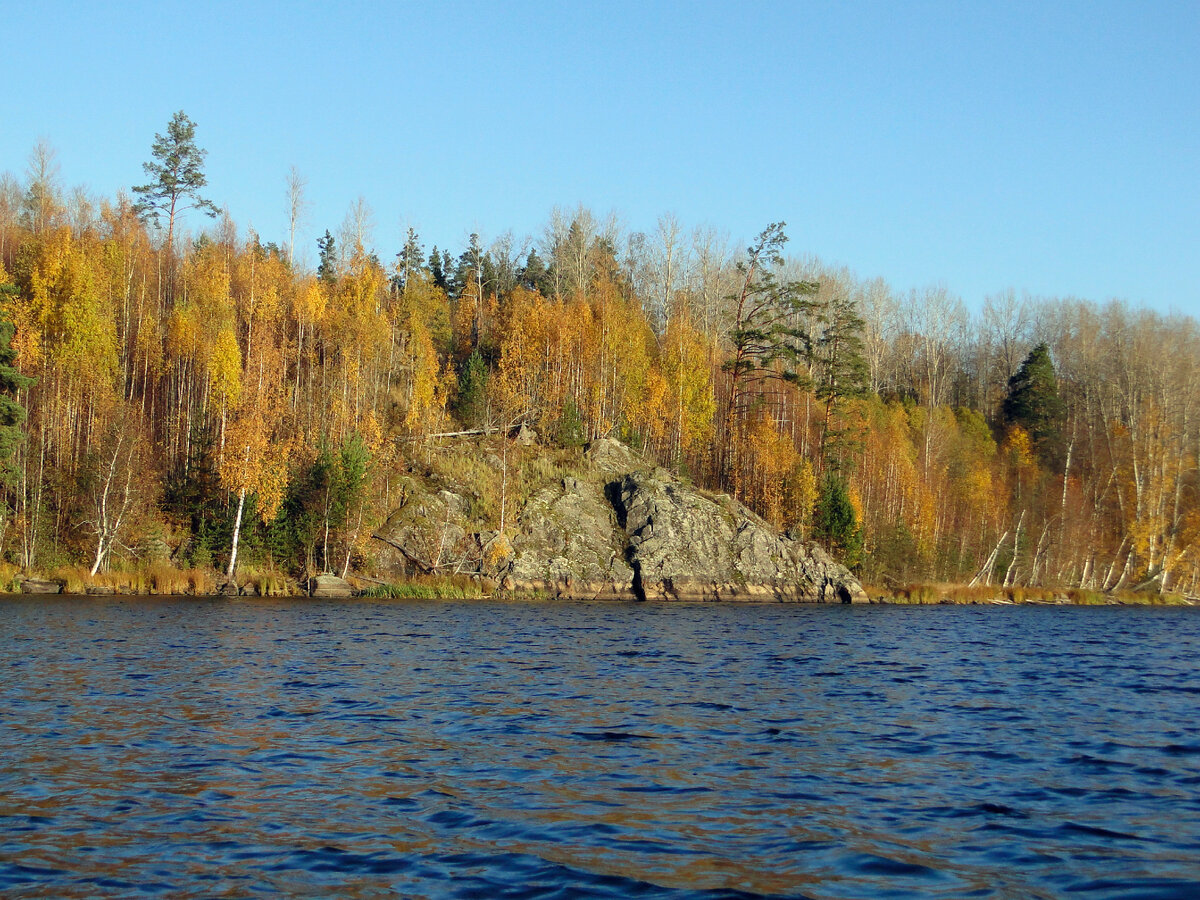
472 390
1033 403
12 413
327 266
835 522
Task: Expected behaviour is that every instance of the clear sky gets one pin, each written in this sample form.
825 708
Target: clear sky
1049 147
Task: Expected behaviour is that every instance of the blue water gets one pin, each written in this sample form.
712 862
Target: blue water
358 749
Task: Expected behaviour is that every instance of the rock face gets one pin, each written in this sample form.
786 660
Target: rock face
621 530
569 543
685 546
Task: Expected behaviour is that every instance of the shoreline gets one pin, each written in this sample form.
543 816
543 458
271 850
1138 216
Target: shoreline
916 595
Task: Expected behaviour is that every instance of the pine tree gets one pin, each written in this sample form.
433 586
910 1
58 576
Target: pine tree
839 367
767 340
177 173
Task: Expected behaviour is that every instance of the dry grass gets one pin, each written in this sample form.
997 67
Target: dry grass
464 468
201 581
920 594
433 587
166 579
8 577
268 582
968 594
75 579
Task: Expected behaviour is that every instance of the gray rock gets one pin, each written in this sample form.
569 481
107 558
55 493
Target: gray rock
330 586
568 534
429 530
616 531
40 586
686 546
526 436
610 455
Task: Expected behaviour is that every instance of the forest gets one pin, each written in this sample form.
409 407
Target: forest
203 399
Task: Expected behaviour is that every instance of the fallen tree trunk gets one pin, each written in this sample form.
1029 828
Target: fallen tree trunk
426 568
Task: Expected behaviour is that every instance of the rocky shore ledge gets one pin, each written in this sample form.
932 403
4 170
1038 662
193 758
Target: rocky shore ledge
616 530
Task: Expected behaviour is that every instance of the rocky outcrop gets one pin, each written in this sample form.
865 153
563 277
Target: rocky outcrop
686 546
568 542
429 531
618 530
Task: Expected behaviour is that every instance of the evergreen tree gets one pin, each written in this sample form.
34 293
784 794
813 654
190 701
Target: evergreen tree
839 367
12 414
177 175
767 338
469 263
571 431
1033 403
327 266
835 522
472 390
534 275
409 261
436 270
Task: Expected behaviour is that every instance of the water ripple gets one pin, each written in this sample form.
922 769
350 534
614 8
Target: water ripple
234 748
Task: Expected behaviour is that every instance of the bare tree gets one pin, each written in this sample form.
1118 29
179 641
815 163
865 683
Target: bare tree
117 483
43 196
881 318
1006 324
358 231
711 277
297 207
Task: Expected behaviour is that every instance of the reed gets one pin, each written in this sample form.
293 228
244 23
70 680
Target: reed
433 587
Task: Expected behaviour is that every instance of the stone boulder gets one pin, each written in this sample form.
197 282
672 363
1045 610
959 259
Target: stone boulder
608 455
40 586
330 586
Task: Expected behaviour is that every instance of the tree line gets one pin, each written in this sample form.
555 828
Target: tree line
201 396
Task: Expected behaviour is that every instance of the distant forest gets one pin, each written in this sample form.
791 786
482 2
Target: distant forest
187 395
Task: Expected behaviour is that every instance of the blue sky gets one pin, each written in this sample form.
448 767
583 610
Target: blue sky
1052 148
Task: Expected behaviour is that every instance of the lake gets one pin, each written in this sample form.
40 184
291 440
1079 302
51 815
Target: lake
239 748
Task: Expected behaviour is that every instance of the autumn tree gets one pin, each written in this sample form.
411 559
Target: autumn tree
117 481
42 200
